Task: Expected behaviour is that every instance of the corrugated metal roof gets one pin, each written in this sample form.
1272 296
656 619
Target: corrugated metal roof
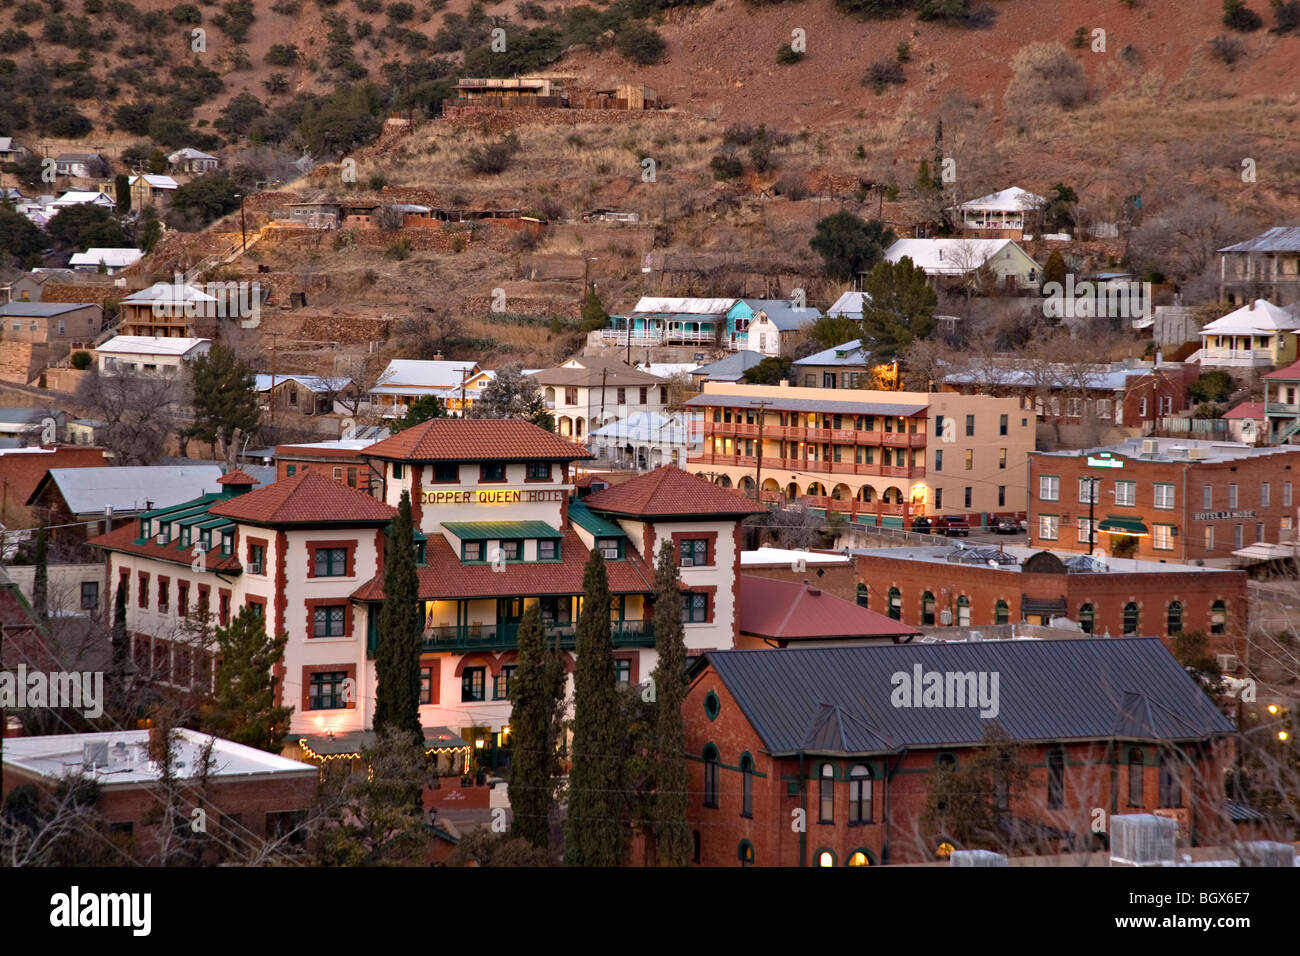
1277 239
849 354
128 487
592 523
41 309
500 530
779 403
840 699
783 315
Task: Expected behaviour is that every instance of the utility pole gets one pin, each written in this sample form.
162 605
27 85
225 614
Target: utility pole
271 394
1092 511
464 379
758 460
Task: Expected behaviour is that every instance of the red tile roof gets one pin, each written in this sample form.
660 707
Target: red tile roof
1290 374
306 498
476 439
1246 410
124 539
444 576
237 477
669 492
791 611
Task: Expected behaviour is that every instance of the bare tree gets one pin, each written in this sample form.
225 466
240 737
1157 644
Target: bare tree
140 413
1181 241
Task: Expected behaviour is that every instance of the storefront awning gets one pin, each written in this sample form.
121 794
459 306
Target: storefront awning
1129 526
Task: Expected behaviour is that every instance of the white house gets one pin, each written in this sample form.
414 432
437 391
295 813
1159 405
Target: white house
849 305
1258 335
405 380
113 260
585 393
1006 213
190 160
953 258
645 440
149 188
81 165
151 354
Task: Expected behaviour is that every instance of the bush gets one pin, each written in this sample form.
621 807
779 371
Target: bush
640 44
1286 16
882 73
401 12
187 13
726 165
493 158
281 54
1215 386
952 10
1045 73
1079 39
81 360
1238 16
399 249
1228 49
786 54
873 9
903 52
791 186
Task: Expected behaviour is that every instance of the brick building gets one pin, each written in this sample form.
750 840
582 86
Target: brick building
835 733
343 460
980 587
1164 499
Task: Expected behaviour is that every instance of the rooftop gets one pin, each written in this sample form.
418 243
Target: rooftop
850 354
768 556
315 383
786 316
130 488
1277 239
41 309
688 306
111 258
426 374
1260 317
947 256
1012 558
667 491
1174 449
849 304
477 439
732 368
791 611
150 345
306 498
1011 198
776 399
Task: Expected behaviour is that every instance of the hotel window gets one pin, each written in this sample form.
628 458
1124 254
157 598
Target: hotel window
185 536
426 685
968 496
895 604
1164 497
1174 619
327 620
331 562
1126 493
290 471
1049 527
1232 496
963 611
1286 494
695 607
548 549
164 594
1264 495
927 609
182 598
1130 618
471 551
1085 531
1238 537
397 470
1207 497
938 426
1142 408
862 595
227 543
1002 425
258 609
501 682
1085 618
826 794
1002 495
938 459
970 426
1218 617
1135 770
1049 488
860 794
694 552
327 690
492 471
338 473
611 549
570 396
746 786
473 683
511 550
711 776
539 471
1055 778
89 595
1087 491
1162 537
938 499
1001 612
1002 458
142 593
1259 532
970 458
1209 538
1171 782
623 672
257 559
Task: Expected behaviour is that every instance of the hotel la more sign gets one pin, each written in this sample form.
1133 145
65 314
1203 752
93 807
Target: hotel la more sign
491 496
1105 460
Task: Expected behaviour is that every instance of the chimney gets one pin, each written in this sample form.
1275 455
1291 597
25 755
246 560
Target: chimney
784 383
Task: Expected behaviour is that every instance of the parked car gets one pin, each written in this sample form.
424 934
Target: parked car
952 526
1006 526
921 524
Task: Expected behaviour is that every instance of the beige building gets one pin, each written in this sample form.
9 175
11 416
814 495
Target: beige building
881 457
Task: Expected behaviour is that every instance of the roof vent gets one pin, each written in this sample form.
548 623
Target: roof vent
814 591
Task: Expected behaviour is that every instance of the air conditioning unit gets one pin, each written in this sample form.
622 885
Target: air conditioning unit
1228 663
1198 453
254 567
1150 446
160 537
610 553
94 754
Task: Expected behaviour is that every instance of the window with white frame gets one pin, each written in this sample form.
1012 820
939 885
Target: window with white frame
1164 496
1087 491
1049 527
1264 494
1207 497
1103 408
1126 493
1073 407
1162 537
1085 531
1286 493
1049 488
1238 537
1232 496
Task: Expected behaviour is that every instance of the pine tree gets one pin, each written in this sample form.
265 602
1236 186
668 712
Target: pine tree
401 633
243 708
224 398
41 581
595 831
536 693
672 836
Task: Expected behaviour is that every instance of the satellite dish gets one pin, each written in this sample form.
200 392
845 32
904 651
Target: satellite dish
993 562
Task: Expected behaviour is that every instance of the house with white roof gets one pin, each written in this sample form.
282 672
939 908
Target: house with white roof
149 354
171 309
305 395
672 320
80 165
454 383
190 160
849 305
150 188
1003 215
770 327
78 197
1257 335
847 365
941 259
113 260
645 440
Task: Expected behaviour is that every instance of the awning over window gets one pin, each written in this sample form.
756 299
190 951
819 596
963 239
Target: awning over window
1129 526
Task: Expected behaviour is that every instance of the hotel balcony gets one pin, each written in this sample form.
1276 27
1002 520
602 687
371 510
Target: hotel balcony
810 466
505 636
850 508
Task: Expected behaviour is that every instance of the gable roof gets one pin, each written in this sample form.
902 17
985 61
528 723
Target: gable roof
1277 239
1011 198
75 197
425 374
785 316
849 354
150 345
156 181
114 258
314 383
35 310
168 292
476 439
683 306
849 304
1289 374
792 611
188 152
1246 410
1254 318
732 368
612 374
1087 689
306 498
666 492
949 256
129 488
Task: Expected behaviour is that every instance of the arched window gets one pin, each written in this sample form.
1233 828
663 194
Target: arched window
826 794
1136 767
747 786
927 609
1130 618
963 611
895 604
1171 780
711 776
860 788
1175 619
862 595
1085 618
746 853
1001 613
859 858
825 858
1055 778
1218 617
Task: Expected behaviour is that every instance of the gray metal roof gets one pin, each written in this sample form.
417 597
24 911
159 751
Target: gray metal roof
128 487
780 403
851 354
1277 239
838 699
731 368
784 316
42 309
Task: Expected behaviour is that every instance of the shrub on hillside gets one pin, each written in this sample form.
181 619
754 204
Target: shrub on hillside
953 11
494 158
282 54
1044 74
873 9
1286 16
640 44
1238 16
1228 49
785 54
883 73
726 165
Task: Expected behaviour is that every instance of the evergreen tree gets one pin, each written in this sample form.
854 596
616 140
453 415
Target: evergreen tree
536 695
401 633
672 836
1054 269
224 397
924 183
900 308
595 831
418 412
243 708
848 245
594 315
41 581
122 184
121 650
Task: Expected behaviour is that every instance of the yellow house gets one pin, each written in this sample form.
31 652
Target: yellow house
1258 335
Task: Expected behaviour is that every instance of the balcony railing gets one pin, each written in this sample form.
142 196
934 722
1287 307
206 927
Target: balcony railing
1281 408
505 636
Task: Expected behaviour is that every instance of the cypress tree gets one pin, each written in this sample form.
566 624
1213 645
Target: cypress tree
672 836
121 649
243 708
595 831
535 694
41 581
401 633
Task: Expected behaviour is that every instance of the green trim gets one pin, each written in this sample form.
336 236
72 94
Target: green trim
824 849
740 852
871 860
712 705
500 530
1122 525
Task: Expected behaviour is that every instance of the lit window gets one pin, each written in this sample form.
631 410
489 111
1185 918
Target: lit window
859 858
1049 488
473 684
1164 496
1049 527
1162 537
327 691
